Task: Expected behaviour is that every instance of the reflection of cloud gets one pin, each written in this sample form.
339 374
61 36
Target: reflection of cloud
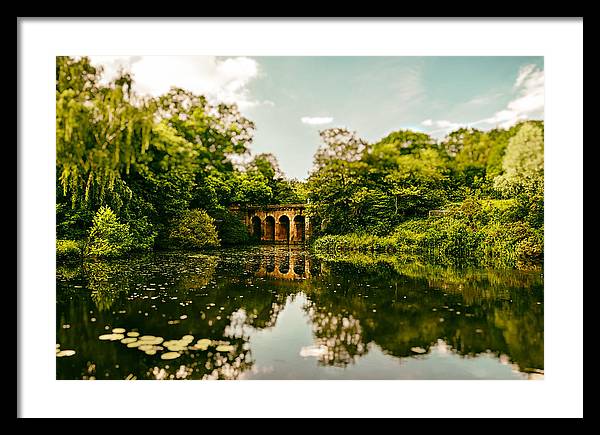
441 348
262 369
316 351
239 325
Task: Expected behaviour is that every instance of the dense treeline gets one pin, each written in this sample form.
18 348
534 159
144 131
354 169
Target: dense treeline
137 173
485 190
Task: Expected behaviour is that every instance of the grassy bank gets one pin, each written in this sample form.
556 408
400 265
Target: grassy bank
487 233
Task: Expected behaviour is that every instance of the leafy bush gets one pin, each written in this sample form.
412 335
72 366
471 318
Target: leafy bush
230 228
529 252
72 223
450 238
108 237
143 234
68 250
193 230
485 232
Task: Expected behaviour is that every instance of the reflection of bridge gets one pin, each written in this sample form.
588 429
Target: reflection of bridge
276 223
289 266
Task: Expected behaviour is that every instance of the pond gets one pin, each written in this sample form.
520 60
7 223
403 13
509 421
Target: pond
277 312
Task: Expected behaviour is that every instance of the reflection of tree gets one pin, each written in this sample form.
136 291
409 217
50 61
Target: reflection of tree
339 336
209 364
151 294
394 304
472 310
200 271
524 336
106 281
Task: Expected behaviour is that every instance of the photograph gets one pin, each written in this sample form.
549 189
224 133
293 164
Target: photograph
280 217
299 217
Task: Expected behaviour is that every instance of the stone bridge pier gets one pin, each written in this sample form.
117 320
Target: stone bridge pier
276 223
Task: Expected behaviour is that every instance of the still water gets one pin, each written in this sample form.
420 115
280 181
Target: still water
273 312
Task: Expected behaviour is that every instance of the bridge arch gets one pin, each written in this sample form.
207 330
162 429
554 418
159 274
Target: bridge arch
270 228
299 228
256 227
284 229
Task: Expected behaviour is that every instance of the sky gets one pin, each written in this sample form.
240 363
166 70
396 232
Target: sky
290 99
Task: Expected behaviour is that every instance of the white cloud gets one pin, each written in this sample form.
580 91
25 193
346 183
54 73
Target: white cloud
443 126
484 99
524 72
316 120
447 124
223 80
528 103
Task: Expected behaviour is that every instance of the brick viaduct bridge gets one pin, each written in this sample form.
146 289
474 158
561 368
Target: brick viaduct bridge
286 223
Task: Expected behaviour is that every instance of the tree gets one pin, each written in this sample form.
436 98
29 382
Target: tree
335 179
108 237
101 130
195 229
523 162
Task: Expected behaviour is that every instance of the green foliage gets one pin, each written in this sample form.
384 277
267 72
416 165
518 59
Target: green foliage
357 186
68 250
100 132
523 162
403 142
230 228
108 237
141 171
482 232
72 223
194 229
289 192
143 234
151 159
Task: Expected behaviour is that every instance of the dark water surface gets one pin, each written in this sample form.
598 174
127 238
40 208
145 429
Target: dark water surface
270 312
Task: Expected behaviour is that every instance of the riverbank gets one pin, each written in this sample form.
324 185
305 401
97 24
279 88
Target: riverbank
450 240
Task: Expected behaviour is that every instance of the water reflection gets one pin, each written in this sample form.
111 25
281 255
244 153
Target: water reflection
274 312
280 263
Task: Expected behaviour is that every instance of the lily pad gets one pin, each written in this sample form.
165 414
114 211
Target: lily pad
170 355
106 337
133 334
135 343
118 330
203 344
65 353
176 348
225 348
129 340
